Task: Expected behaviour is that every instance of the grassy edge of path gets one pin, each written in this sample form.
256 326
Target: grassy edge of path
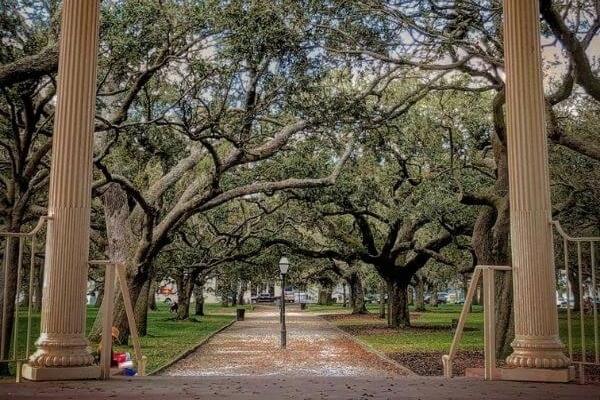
431 330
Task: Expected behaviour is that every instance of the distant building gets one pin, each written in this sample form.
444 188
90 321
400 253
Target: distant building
167 292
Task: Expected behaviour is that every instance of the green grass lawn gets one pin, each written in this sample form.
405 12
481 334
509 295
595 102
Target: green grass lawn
166 337
431 330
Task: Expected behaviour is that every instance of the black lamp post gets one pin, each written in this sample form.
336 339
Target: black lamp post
284 264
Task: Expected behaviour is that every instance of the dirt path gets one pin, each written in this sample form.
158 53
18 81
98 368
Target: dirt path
314 348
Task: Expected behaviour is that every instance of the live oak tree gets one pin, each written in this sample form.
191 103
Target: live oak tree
350 273
203 107
27 76
466 36
327 273
25 140
211 242
211 129
391 208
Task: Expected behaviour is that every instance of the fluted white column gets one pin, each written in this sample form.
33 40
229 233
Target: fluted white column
62 344
536 344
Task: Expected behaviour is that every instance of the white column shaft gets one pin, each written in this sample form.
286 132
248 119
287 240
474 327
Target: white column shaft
62 341
536 320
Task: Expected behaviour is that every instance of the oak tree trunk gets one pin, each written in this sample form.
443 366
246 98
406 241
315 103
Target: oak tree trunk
465 289
38 288
185 286
240 295
100 296
10 287
224 300
152 299
420 295
382 305
199 295
120 249
477 295
325 296
399 316
490 240
574 283
433 300
234 297
357 295
141 305
23 290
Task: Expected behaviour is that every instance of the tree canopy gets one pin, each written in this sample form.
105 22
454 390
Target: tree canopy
365 139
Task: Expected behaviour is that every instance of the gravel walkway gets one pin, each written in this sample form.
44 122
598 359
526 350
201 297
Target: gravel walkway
314 348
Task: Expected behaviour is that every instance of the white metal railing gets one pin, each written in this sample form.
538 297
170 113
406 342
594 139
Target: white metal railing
582 283
22 237
489 322
112 267
113 271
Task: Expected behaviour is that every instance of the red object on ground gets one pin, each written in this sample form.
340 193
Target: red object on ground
118 358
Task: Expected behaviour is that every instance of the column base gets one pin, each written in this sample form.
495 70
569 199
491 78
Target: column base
562 375
538 352
32 373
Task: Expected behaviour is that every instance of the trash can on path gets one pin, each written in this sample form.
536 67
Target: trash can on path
303 306
240 314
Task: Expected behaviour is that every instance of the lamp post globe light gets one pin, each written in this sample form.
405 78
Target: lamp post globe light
284 265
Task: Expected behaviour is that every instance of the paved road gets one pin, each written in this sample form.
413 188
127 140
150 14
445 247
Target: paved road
315 348
299 387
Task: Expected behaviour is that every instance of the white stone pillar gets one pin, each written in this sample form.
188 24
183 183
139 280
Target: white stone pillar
62 349
536 344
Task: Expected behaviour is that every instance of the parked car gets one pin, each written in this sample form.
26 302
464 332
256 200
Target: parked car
300 297
289 296
265 298
442 298
563 303
370 298
374 298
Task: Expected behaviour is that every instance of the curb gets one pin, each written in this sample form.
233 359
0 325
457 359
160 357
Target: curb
189 351
371 349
